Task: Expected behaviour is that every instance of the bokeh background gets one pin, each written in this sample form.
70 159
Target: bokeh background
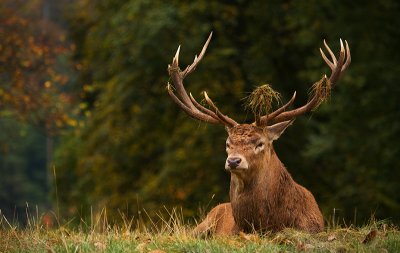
86 123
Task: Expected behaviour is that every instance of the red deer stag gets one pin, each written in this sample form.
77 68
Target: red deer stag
263 195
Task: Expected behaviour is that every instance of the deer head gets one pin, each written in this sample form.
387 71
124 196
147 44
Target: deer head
247 143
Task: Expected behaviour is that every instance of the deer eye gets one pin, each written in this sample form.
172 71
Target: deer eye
260 145
228 145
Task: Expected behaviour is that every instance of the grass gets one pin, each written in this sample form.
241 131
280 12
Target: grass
174 236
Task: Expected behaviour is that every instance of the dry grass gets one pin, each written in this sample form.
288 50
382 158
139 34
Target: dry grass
261 100
174 236
321 90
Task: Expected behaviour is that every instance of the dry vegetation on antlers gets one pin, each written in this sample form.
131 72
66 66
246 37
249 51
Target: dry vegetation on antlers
174 236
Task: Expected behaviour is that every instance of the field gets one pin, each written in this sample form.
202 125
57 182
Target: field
174 236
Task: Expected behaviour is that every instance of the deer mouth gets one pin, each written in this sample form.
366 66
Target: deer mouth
236 170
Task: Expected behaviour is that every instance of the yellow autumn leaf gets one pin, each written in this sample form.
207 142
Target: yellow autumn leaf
47 84
72 122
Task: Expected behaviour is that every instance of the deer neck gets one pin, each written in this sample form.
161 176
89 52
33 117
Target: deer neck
254 195
263 179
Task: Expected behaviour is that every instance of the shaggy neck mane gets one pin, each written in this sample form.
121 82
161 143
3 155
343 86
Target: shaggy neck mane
260 191
271 175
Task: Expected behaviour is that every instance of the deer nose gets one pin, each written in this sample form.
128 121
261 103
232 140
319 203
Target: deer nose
233 162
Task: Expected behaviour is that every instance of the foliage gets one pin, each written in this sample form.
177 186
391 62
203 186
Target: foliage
33 86
137 150
36 102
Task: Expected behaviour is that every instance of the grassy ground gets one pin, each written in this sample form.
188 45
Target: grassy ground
173 236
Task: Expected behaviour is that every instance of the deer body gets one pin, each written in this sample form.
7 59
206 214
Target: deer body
264 196
273 208
270 201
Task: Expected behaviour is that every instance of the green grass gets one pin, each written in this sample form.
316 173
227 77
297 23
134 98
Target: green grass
173 236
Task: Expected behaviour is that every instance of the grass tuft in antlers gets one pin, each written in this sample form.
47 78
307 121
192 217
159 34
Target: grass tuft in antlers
321 90
261 99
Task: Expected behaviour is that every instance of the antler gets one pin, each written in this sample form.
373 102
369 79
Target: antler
337 67
186 102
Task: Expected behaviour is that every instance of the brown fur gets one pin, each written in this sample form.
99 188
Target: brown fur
263 197
219 221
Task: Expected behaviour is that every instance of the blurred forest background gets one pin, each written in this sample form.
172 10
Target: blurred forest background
85 121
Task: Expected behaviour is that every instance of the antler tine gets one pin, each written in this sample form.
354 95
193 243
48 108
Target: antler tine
217 115
176 75
175 60
202 108
330 52
182 74
265 119
189 104
227 120
348 57
330 64
337 66
188 110
189 69
337 70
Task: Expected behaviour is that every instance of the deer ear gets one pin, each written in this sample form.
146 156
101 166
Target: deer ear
275 131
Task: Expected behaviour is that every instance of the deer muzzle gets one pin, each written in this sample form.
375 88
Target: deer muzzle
236 162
